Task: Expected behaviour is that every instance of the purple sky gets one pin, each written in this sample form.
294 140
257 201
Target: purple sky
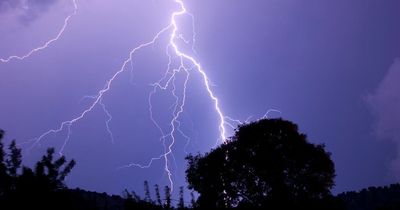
333 67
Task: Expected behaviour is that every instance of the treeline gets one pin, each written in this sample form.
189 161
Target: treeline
43 187
134 201
373 198
267 164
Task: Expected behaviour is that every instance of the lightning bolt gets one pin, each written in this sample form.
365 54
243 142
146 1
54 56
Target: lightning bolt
167 81
49 42
169 77
197 67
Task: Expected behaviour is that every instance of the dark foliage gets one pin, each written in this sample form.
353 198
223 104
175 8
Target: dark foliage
181 202
373 198
193 204
267 164
147 197
167 192
41 188
158 196
132 202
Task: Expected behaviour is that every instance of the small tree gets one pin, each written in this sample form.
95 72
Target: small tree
53 172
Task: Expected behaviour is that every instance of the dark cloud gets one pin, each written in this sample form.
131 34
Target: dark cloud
385 103
6 5
25 10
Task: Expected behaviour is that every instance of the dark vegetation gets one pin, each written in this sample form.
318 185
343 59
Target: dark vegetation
373 198
267 164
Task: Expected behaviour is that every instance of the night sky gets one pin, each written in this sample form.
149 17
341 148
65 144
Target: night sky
332 67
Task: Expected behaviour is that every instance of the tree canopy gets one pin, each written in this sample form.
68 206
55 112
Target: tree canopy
267 163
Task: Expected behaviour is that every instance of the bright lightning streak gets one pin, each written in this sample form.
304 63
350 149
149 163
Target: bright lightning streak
49 42
168 79
198 67
175 123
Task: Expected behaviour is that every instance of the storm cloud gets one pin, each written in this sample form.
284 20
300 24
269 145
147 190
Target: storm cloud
385 104
25 10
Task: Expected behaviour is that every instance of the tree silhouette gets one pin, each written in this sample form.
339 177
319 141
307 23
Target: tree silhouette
158 196
14 159
13 163
147 196
181 202
4 177
167 192
130 201
133 201
373 198
51 173
267 163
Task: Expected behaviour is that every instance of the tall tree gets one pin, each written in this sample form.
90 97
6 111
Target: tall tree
14 159
158 196
13 163
167 192
181 202
2 152
4 178
267 163
147 196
